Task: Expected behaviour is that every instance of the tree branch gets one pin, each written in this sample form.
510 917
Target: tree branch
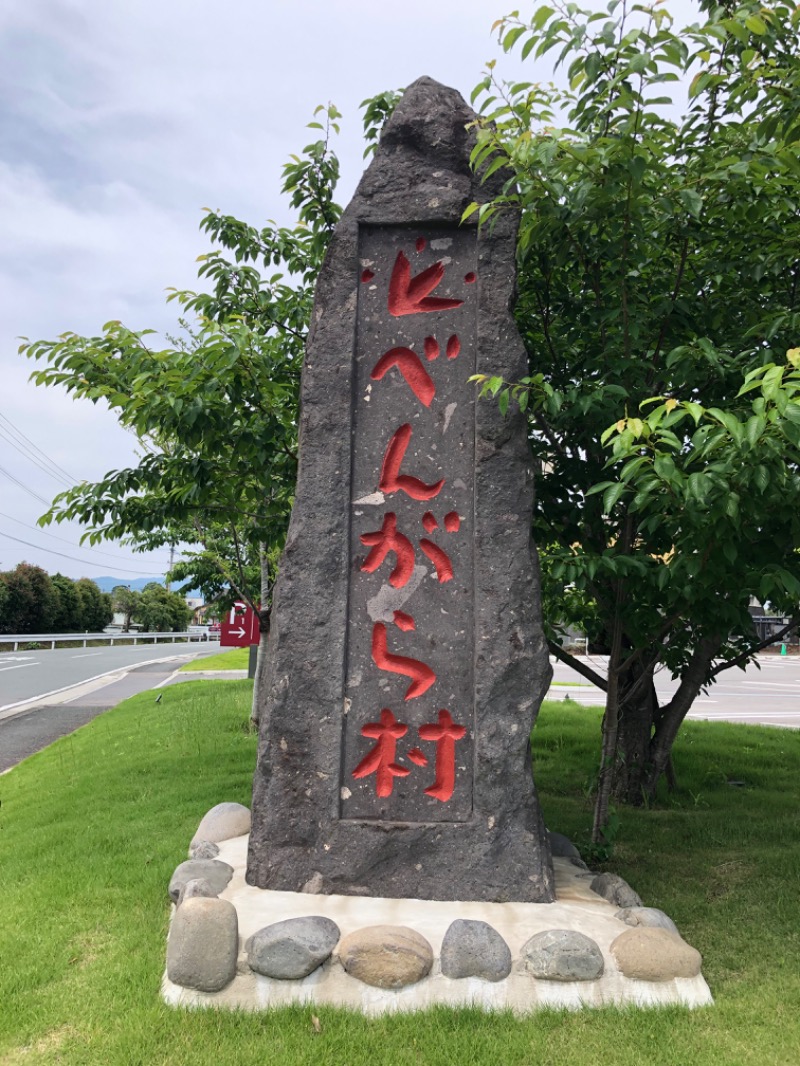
749 652
577 665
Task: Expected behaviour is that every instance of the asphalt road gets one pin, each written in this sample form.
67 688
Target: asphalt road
28 675
45 714
767 693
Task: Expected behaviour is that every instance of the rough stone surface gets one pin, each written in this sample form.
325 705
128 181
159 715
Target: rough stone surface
314 884
217 873
200 886
655 955
292 949
475 949
222 822
387 956
203 849
562 955
309 811
647 916
203 945
616 890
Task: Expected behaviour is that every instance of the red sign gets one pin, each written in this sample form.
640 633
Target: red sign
240 627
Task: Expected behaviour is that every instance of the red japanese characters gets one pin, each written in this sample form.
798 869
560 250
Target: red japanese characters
381 760
403 541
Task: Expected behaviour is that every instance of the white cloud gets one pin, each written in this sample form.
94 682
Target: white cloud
119 121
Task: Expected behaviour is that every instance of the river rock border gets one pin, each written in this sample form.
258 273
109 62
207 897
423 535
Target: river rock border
232 945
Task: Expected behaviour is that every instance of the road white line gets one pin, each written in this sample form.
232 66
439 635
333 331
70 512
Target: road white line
727 716
19 666
6 711
793 685
87 655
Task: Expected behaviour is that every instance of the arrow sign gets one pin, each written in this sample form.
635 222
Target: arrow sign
239 627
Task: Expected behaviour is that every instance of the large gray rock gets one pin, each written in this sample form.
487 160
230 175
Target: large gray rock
339 622
386 956
562 955
475 949
203 945
616 890
223 822
216 872
655 955
292 949
651 917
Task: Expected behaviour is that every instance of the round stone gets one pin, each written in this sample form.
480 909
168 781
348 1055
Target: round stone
651 917
386 956
292 949
203 849
563 955
655 955
616 890
223 822
203 945
562 847
217 873
198 887
475 949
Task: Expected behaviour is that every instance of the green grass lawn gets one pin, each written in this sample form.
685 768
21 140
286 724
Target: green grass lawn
91 829
234 659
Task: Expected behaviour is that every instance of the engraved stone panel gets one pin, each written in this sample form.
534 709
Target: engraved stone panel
409 727
406 660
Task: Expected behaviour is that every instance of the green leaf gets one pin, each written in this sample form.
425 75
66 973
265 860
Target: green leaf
756 25
510 38
612 496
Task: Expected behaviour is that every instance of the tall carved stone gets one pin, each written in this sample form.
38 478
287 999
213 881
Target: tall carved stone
407 662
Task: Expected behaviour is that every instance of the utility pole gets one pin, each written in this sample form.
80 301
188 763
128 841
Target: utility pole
171 560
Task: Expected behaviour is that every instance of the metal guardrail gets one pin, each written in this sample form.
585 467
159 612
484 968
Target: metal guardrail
108 638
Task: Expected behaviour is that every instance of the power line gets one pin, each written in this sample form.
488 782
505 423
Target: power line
25 488
83 562
63 540
60 471
32 458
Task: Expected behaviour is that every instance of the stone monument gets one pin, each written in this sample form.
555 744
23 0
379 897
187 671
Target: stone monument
407 661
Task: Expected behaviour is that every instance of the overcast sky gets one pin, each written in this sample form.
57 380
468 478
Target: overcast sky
119 122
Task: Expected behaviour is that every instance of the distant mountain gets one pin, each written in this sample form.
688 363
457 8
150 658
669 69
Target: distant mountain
108 583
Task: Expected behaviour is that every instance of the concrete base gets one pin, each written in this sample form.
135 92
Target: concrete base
576 908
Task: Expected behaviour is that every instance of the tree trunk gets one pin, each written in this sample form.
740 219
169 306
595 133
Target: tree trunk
637 714
646 732
264 621
671 716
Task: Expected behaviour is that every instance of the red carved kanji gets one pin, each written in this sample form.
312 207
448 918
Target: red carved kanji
386 540
410 366
403 621
439 558
445 734
453 347
391 478
409 296
422 675
380 761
